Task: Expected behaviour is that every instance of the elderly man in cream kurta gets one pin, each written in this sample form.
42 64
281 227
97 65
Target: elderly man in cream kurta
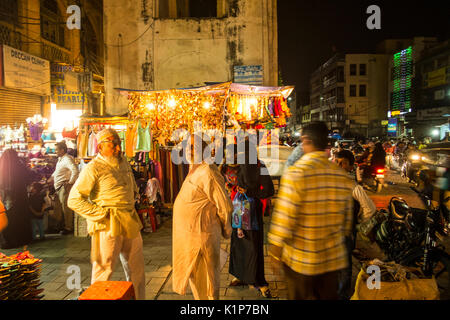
104 194
201 215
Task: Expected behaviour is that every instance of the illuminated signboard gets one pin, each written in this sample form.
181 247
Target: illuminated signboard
392 127
402 73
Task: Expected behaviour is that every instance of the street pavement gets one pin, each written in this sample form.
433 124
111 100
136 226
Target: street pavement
58 254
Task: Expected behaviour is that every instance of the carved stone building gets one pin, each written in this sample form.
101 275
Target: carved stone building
162 44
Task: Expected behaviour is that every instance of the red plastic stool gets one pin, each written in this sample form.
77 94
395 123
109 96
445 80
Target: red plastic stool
109 290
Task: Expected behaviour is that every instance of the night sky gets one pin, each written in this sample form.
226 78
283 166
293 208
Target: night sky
308 30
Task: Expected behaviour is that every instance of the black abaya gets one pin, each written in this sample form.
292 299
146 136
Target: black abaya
247 254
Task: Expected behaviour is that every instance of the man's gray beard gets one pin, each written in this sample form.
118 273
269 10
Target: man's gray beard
113 160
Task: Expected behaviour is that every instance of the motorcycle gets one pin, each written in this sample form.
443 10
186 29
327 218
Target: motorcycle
411 168
372 177
413 237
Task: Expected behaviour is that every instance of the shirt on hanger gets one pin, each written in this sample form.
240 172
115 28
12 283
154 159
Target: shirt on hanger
144 140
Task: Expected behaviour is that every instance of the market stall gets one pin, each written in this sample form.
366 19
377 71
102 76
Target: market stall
210 109
256 107
165 111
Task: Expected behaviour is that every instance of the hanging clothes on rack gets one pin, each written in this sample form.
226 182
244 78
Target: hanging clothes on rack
82 142
144 139
92 144
130 140
122 136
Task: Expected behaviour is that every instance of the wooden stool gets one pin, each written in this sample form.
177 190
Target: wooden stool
109 290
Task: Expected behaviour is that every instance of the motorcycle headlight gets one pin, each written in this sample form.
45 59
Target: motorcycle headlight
415 157
425 159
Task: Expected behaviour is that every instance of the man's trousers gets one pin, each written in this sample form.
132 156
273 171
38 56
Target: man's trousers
130 252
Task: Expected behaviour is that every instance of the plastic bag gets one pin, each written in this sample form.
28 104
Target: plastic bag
242 213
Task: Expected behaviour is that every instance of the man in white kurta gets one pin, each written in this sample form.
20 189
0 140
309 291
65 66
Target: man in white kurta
104 194
201 215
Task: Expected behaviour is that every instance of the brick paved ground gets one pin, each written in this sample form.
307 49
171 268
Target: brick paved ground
58 254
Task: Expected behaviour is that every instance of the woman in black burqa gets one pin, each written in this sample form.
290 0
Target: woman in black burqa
14 178
247 246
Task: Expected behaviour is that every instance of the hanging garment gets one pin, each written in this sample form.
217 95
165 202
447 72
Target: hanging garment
271 107
159 176
122 137
82 143
130 141
144 140
152 190
36 130
92 145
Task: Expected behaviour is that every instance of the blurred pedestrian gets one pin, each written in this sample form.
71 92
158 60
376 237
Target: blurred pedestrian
295 155
363 209
201 215
14 178
312 217
104 195
36 205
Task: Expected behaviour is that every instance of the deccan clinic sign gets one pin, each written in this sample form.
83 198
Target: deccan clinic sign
25 72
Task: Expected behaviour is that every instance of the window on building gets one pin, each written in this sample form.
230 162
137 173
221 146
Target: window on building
203 8
353 90
52 22
188 8
340 74
362 90
9 11
340 95
353 69
362 69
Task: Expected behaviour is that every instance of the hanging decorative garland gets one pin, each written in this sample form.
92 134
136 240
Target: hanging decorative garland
243 108
178 109
259 111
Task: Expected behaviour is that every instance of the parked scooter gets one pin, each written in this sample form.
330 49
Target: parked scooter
412 237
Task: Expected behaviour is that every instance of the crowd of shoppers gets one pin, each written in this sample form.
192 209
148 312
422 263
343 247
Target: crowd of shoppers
311 234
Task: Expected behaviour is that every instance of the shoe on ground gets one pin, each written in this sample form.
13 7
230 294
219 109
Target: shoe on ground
265 292
236 282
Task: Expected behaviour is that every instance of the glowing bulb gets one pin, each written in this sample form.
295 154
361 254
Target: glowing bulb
172 103
206 105
150 106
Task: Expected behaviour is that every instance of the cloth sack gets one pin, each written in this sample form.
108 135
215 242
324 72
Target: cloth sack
406 289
